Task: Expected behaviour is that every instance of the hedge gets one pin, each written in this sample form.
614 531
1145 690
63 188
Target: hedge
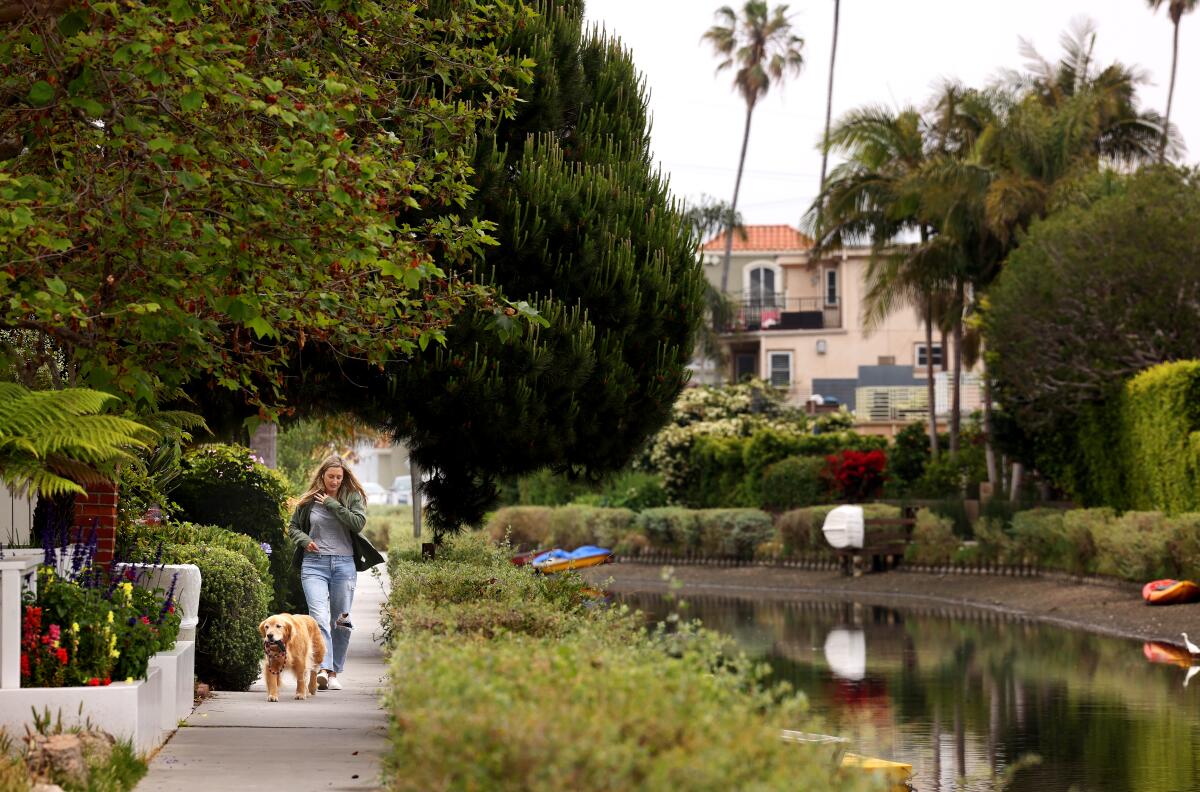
233 601
140 542
728 471
1139 449
1162 419
734 533
505 680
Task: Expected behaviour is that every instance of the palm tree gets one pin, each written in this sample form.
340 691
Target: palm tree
837 9
1175 9
761 45
708 218
874 197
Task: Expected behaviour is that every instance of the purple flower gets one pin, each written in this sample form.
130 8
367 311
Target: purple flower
266 548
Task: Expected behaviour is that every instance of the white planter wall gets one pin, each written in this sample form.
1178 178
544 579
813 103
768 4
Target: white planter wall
126 710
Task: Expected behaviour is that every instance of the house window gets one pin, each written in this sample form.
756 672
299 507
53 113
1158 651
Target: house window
745 366
831 287
762 287
922 357
781 369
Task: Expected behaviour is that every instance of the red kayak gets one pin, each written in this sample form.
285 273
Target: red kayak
1170 592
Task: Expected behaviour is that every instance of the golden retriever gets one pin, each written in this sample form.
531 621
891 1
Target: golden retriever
292 642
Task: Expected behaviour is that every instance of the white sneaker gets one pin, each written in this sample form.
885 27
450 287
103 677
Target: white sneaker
323 680
333 684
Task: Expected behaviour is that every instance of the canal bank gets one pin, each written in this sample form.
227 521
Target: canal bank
1113 609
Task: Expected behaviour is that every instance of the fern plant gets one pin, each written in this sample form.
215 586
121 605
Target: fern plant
55 441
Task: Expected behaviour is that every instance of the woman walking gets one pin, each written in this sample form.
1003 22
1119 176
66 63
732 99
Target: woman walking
327 528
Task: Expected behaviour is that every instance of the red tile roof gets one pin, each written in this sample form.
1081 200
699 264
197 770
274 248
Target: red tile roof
763 237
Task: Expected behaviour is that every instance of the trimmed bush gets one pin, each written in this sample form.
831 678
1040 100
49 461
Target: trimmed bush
671 528
525 526
228 486
566 526
933 539
793 483
572 526
1135 546
140 542
799 530
233 600
733 533
1162 421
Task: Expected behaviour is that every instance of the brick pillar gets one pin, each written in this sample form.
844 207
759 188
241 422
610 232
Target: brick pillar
99 508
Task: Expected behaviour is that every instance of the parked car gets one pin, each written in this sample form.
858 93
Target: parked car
376 495
401 491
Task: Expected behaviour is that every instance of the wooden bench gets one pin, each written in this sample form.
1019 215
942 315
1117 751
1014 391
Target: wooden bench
884 542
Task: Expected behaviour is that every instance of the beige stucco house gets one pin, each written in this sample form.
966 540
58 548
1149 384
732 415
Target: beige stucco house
797 322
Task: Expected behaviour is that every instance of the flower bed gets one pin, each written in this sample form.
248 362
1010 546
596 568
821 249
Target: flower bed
89 646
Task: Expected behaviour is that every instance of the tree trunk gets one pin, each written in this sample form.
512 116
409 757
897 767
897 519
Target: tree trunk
989 449
737 186
956 376
1162 148
837 8
929 384
1017 471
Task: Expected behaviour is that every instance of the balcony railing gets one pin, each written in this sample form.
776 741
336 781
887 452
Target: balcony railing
751 313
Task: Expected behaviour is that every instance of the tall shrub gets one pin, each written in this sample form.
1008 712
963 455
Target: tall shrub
793 483
1162 419
228 486
233 600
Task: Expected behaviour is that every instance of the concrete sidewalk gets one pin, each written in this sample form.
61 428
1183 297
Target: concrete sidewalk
240 741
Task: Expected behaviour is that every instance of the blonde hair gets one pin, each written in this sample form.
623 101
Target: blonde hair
349 482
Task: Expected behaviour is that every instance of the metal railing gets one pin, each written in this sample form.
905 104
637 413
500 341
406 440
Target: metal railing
752 312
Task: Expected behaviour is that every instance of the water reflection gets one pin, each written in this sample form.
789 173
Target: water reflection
964 696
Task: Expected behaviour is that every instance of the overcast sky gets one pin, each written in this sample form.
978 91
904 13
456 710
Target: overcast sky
889 51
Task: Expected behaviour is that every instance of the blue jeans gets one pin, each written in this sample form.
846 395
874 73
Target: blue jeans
328 583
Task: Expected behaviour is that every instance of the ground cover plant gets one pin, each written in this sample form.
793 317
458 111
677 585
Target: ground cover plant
502 679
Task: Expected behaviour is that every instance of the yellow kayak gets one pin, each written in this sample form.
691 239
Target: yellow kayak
895 774
551 564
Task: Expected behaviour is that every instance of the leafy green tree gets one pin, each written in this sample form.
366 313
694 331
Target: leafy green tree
1175 9
762 47
218 182
591 238
1096 294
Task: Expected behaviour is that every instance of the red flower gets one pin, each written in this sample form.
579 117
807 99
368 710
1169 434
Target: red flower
62 655
93 682
107 680
24 664
145 620
855 475
171 609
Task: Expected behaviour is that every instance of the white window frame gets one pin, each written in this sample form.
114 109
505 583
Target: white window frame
771 368
918 348
831 279
767 265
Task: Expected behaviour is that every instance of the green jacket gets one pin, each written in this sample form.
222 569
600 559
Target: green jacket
353 517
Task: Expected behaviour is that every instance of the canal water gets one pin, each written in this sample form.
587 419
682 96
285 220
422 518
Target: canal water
968 698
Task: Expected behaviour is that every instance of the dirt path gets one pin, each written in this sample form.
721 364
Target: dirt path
1107 609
